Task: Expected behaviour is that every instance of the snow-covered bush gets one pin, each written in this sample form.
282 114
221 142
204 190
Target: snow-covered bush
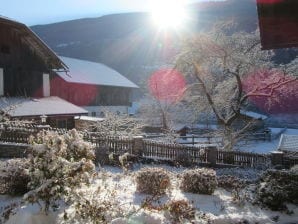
176 211
153 180
247 174
14 176
229 182
180 211
278 187
100 202
234 185
58 164
183 159
201 181
95 207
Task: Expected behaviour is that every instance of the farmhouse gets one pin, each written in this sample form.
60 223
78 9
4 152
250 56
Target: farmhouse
26 65
25 61
44 84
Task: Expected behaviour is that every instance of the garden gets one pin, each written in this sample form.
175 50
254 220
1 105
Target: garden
60 183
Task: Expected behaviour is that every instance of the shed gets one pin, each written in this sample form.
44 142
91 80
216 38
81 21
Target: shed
288 143
58 112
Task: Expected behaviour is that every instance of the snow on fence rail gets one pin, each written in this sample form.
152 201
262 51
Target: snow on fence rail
167 151
238 158
21 134
117 145
202 155
149 148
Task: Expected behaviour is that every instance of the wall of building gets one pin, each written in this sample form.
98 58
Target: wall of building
96 111
90 95
22 68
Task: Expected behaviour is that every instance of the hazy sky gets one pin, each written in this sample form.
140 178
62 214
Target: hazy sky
32 12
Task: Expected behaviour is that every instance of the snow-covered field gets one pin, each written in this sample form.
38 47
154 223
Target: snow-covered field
219 208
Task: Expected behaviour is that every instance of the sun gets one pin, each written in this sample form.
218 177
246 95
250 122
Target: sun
169 14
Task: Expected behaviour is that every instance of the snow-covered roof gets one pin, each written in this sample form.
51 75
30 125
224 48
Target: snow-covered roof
25 107
288 143
88 118
253 114
87 72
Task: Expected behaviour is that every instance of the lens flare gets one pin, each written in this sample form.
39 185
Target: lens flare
167 85
282 100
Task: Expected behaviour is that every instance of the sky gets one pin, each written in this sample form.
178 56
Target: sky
33 12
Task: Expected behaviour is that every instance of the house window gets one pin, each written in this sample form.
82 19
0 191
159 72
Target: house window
93 114
5 49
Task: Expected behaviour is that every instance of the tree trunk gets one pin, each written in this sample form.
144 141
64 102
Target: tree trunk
228 138
164 121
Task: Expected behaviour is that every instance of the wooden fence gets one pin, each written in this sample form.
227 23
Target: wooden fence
173 152
117 145
238 158
21 134
144 148
289 161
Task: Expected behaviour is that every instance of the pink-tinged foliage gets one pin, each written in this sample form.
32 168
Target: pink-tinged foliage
167 85
283 99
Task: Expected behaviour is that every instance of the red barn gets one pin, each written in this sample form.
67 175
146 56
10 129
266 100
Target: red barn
92 86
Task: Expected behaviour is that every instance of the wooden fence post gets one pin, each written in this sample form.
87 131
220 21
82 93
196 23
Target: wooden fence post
212 155
137 145
277 158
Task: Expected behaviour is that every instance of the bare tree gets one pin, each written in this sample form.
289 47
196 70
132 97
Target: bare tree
217 63
165 90
155 112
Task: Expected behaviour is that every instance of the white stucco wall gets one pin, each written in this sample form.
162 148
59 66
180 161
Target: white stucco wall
99 109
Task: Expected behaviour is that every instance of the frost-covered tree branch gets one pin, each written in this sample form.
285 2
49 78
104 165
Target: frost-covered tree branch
117 125
222 65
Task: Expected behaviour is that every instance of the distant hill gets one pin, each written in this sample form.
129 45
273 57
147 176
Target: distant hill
129 43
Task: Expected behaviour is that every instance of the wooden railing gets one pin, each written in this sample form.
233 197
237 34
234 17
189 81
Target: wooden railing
238 158
14 136
290 158
205 154
166 151
117 145
290 161
21 134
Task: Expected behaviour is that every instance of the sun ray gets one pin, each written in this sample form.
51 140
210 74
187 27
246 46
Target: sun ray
169 14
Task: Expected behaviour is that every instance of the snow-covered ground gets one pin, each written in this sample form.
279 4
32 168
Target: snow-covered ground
267 146
260 146
219 208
